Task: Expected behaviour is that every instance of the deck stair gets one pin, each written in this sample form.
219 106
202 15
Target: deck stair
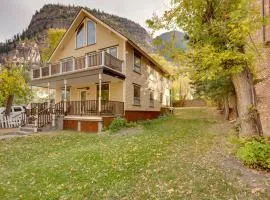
39 117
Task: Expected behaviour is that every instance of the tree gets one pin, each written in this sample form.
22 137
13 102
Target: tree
219 91
54 36
219 32
13 82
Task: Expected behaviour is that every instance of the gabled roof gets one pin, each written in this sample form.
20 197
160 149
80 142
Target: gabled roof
82 13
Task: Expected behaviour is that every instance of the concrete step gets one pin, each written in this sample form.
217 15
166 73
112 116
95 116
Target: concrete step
24 132
27 129
31 125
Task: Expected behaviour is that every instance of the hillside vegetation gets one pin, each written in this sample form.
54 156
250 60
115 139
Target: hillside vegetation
54 36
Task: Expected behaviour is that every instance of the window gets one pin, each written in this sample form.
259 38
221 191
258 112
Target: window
105 91
17 109
161 98
137 95
151 99
79 37
137 63
63 94
91 33
113 51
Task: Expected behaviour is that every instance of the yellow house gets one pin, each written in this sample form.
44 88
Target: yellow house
98 74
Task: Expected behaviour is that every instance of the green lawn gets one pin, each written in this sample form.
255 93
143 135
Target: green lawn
166 159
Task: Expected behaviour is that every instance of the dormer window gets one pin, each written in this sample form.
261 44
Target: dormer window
79 37
91 32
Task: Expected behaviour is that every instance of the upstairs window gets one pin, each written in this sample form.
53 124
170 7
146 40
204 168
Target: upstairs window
137 95
91 33
79 37
137 63
113 51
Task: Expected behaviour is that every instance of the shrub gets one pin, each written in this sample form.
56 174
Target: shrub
119 123
255 153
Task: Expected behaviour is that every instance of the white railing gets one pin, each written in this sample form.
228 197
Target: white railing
74 64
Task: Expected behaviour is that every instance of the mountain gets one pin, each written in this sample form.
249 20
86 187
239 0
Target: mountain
61 16
175 37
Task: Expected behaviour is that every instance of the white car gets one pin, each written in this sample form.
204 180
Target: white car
15 110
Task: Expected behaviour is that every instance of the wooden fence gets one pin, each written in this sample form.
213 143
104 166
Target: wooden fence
12 122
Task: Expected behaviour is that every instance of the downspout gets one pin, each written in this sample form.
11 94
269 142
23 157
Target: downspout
263 13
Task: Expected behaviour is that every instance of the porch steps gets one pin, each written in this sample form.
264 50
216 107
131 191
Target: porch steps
28 129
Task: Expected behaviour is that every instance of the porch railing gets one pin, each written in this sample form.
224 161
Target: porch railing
55 68
67 65
59 108
90 108
44 117
37 107
112 108
41 115
113 62
73 64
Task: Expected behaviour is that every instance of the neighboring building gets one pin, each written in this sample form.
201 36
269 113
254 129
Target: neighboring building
98 73
263 87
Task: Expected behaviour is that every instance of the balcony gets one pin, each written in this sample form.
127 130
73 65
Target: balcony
72 64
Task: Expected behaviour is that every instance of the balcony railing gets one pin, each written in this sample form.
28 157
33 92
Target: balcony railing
73 64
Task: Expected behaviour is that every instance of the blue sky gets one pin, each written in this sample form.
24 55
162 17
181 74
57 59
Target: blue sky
15 15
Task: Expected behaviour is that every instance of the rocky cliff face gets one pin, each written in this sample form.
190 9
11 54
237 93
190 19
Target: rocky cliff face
23 52
28 46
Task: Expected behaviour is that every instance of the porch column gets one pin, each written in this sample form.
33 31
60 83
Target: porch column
86 61
99 93
103 58
50 69
65 96
73 64
48 101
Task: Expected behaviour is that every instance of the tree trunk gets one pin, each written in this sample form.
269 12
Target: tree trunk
226 108
250 124
9 102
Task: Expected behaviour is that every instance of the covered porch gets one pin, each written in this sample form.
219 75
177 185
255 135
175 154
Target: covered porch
95 92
